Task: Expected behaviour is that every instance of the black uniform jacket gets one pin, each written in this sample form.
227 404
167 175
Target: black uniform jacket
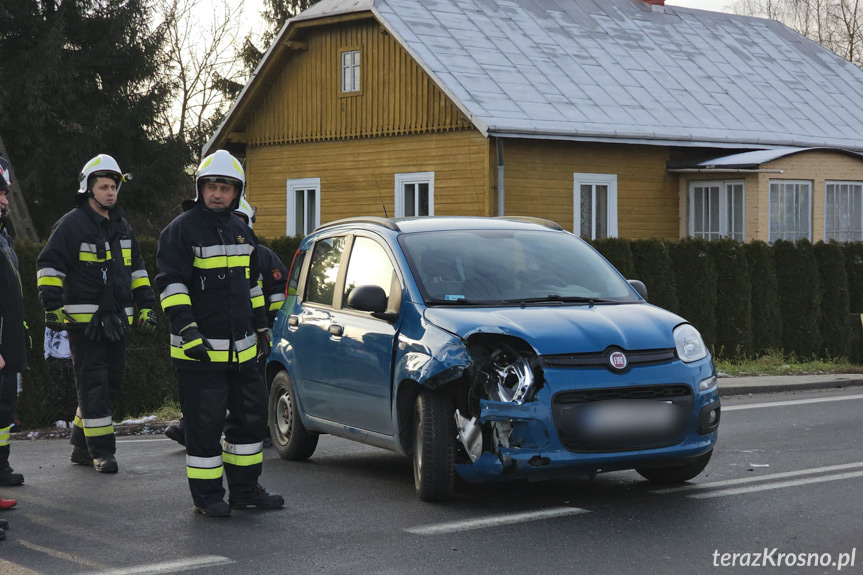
12 335
86 255
208 276
274 279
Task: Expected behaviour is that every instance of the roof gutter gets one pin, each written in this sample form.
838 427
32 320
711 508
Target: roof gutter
720 170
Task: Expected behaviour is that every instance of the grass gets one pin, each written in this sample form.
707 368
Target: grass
777 363
169 410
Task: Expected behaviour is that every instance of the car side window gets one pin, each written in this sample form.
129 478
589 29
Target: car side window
324 270
369 265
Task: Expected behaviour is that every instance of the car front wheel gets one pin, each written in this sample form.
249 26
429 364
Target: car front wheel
290 437
677 474
434 449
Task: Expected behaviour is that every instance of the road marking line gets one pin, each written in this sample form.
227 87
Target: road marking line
780 485
495 521
61 555
770 477
791 402
169 566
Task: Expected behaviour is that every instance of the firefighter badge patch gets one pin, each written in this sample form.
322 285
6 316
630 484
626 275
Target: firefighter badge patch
277 274
241 239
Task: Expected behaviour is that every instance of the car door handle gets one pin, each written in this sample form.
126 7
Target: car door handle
336 330
294 321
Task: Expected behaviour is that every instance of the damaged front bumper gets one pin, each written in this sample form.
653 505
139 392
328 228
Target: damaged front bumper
526 442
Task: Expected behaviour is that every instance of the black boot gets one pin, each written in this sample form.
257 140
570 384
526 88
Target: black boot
81 456
254 496
7 478
177 432
4 524
2 535
105 464
217 509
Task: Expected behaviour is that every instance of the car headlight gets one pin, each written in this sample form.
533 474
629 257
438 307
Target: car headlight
690 346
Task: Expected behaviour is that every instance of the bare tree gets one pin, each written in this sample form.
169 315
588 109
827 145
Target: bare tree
835 24
200 52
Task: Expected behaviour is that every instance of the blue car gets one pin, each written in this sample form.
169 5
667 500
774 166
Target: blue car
490 348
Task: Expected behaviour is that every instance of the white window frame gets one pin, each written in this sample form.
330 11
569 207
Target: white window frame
838 183
724 223
291 204
353 83
770 183
584 179
412 178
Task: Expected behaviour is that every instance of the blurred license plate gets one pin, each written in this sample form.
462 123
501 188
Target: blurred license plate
628 416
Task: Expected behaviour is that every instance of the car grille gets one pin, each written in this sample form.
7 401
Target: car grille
600 359
565 404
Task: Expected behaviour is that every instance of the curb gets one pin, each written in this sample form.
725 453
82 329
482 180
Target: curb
759 388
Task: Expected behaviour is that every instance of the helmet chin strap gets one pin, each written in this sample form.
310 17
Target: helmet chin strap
104 207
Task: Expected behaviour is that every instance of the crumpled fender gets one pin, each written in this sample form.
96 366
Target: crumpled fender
433 359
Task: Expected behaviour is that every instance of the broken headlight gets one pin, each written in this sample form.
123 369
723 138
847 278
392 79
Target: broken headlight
514 377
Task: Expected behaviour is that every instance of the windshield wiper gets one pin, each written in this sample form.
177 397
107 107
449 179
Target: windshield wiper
459 301
561 299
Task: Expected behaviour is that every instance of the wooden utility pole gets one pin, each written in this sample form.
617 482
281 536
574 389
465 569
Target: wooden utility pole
22 223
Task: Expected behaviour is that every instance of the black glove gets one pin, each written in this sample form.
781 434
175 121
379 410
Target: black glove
194 344
108 321
107 325
264 344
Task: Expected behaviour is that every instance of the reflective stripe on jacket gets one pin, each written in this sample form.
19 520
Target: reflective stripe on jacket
208 272
85 253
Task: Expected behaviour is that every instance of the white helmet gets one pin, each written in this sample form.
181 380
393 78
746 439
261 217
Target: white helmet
221 167
103 166
247 211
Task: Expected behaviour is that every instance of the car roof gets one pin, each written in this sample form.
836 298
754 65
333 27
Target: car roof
444 223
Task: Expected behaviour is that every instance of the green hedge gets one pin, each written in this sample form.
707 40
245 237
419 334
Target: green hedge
833 279
695 282
799 297
653 266
733 299
764 304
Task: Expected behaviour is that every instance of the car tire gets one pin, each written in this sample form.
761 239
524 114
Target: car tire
434 446
676 474
289 435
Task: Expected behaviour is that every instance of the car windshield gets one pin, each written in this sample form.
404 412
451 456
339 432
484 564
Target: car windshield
465 267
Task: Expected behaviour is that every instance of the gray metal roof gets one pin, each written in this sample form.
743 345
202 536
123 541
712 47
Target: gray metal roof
760 157
621 70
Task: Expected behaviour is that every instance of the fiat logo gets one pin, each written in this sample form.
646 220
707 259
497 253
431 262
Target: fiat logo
617 360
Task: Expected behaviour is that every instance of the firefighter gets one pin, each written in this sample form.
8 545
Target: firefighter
13 331
91 276
274 278
208 272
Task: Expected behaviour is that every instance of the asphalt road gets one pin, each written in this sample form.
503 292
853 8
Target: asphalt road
785 477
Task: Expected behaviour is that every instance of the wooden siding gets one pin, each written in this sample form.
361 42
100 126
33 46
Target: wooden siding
539 182
353 171
305 102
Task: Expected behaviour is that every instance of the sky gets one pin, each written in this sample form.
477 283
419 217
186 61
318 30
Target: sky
253 8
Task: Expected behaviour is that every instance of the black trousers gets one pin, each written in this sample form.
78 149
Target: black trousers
8 395
99 368
205 396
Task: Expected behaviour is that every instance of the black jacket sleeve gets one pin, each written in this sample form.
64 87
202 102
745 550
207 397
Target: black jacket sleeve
175 272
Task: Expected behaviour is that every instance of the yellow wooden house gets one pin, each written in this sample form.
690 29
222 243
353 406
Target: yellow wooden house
612 117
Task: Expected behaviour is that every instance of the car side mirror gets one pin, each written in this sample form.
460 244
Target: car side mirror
368 298
639 287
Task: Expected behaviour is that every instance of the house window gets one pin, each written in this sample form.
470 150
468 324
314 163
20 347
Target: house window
351 71
414 194
595 205
843 211
790 210
716 210
303 206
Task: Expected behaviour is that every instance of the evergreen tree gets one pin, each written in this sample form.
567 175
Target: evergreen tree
82 77
276 13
